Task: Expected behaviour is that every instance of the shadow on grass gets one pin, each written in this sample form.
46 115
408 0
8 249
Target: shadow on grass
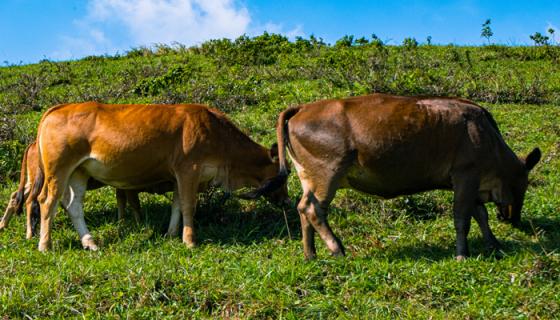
547 229
421 207
426 251
217 220
435 252
232 224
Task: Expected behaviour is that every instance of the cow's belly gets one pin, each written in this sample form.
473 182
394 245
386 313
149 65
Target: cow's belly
387 183
127 175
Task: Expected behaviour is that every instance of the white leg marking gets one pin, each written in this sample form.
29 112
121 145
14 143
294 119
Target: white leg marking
174 221
75 195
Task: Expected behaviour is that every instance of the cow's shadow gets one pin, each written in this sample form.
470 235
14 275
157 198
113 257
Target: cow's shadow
435 252
546 229
228 221
218 219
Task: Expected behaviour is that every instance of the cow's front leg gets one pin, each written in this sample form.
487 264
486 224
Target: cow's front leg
121 204
187 188
134 202
465 188
481 217
462 222
175 219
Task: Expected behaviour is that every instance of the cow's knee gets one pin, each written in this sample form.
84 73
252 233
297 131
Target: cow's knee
308 207
315 213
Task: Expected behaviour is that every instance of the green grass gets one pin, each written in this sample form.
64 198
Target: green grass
399 254
249 263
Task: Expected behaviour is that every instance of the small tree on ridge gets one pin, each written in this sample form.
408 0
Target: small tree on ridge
486 31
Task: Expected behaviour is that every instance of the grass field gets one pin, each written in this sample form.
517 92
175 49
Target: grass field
249 263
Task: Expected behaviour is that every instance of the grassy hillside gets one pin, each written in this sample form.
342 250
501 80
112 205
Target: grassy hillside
249 263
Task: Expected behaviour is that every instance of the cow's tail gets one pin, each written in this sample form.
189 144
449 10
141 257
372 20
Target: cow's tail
283 143
34 193
20 193
283 139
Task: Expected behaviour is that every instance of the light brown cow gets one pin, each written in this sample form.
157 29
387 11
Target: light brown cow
28 174
135 146
389 146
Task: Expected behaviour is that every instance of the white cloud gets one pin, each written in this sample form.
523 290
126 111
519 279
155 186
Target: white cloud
91 42
166 21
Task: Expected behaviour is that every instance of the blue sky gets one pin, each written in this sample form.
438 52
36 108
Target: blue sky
32 30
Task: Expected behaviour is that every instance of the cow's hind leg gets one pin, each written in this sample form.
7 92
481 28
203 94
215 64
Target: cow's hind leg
48 199
33 216
481 217
307 233
73 202
313 215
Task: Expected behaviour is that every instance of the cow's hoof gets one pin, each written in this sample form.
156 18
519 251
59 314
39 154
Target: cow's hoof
496 253
461 258
190 244
88 243
338 254
91 247
494 248
44 246
310 257
171 234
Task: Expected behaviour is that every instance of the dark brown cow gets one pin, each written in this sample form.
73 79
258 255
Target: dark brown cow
28 174
136 146
389 146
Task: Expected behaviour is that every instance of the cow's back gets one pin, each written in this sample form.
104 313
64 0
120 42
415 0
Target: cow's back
124 145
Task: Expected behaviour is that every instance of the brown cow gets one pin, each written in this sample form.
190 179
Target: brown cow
135 146
389 146
28 173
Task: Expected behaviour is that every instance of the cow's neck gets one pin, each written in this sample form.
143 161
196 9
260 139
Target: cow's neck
246 164
504 165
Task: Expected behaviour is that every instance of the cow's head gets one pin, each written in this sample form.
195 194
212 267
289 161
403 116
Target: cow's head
267 181
511 193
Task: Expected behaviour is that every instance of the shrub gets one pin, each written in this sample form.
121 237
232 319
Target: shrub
410 43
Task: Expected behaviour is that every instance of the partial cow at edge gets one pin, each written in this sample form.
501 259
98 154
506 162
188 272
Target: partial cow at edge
389 146
23 195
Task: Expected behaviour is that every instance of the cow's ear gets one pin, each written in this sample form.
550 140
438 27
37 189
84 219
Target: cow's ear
532 159
273 152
